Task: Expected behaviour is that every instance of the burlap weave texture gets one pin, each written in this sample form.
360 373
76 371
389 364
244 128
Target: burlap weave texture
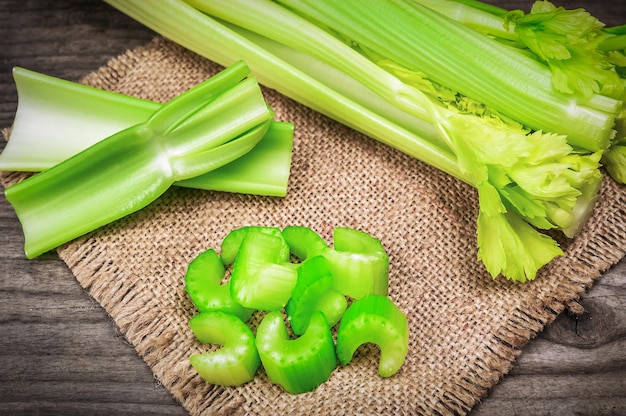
466 328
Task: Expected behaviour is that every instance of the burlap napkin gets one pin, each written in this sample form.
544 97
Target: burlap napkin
466 328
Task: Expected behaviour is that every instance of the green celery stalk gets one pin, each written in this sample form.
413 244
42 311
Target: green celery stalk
57 119
537 177
464 61
203 285
485 7
572 43
204 128
298 365
237 361
487 21
189 27
374 319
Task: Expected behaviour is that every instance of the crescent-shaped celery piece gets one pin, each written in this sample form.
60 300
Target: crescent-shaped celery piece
204 128
203 285
56 119
303 242
237 361
262 277
299 365
314 292
374 319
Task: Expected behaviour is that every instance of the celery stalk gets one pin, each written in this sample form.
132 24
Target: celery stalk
485 20
189 27
465 61
571 43
57 119
202 129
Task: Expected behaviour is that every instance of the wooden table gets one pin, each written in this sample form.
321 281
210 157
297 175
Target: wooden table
61 354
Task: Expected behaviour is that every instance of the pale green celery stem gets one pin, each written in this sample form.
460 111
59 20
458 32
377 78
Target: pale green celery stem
57 119
127 171
275 22
347 86
480 5
492 24
262 171
481 20
490 72
199 33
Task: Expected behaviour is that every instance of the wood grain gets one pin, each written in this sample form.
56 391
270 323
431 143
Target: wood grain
61 354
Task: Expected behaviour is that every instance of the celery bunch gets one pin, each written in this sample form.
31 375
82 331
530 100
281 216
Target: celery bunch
437 89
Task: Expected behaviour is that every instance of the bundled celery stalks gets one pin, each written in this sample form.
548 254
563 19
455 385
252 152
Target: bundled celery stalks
203 129
408 76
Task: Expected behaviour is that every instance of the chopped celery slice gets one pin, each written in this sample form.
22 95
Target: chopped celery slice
262 277
232 242
314 292
359 263
57 119
237 361
204 128
374 319
303 241
203 285
299 365
332 304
